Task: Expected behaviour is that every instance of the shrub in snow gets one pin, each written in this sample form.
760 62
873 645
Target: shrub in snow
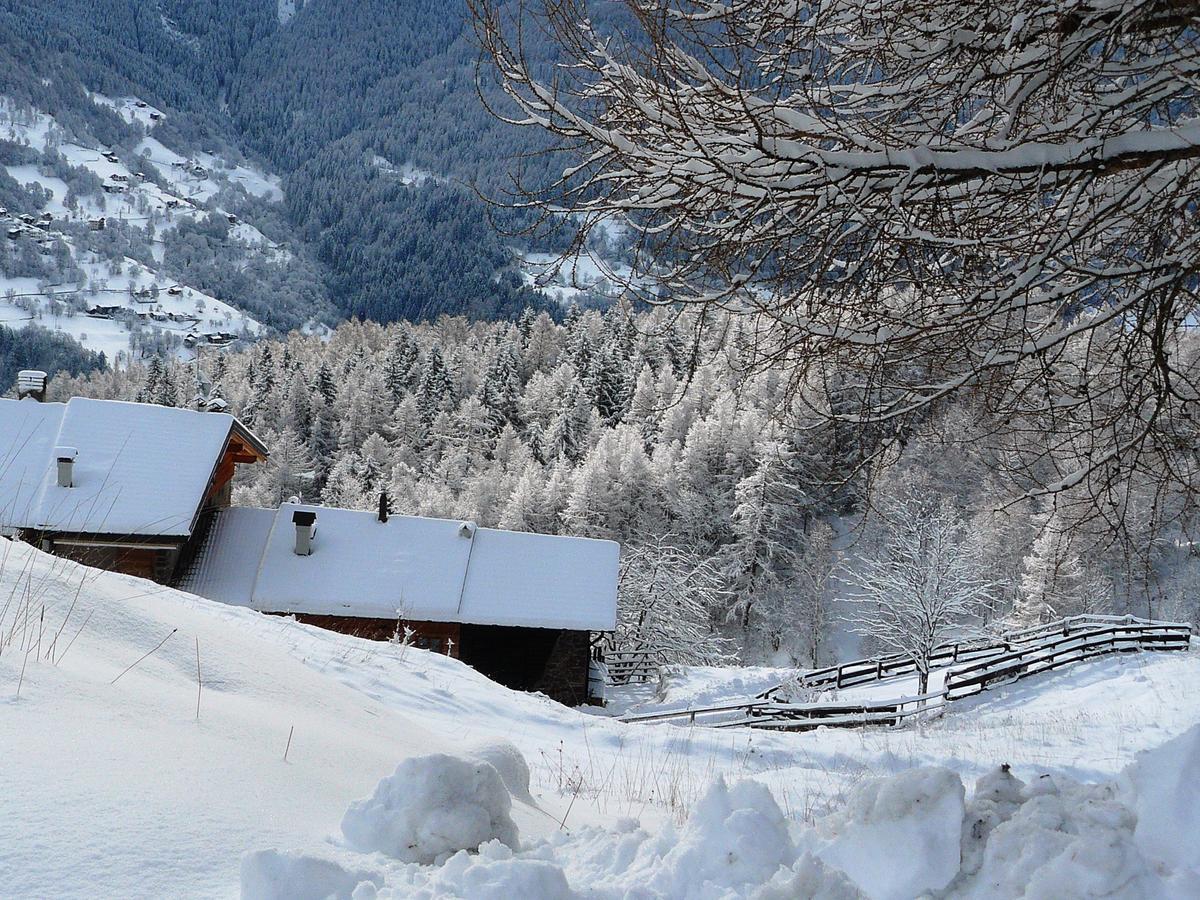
506 759
431 807
271 875
901 836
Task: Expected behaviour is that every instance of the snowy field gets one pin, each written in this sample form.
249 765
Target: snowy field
114 786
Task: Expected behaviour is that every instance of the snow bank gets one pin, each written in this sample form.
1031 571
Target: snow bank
1164 786
432 807
271 875
908 835
899 837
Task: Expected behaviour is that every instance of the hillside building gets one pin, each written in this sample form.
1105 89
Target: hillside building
145 490
128 487
519 607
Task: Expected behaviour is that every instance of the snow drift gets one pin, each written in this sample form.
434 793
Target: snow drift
903 836
431 807
139 772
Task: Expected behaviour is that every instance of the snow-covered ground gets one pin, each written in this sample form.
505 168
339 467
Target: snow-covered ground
112 786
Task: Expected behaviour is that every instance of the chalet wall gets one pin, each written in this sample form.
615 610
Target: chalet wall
549 660
154 564
438 637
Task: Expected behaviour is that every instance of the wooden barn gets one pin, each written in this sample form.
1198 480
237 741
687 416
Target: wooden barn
128 487
520 608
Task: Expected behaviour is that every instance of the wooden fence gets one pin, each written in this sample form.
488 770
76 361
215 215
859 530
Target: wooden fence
865 671
972 668
625 666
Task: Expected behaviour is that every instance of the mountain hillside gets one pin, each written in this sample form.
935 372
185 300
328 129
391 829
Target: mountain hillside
368 113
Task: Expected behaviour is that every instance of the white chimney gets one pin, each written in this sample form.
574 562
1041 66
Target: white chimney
31 383
306 529
66 465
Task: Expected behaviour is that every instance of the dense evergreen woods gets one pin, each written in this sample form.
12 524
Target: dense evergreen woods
740 507
37 348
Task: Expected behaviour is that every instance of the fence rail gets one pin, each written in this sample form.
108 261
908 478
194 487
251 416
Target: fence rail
971 669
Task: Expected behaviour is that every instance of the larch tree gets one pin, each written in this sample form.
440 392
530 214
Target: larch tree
933 197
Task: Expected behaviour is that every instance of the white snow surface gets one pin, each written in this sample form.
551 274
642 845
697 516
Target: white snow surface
112 786
140 468
409 567
430 808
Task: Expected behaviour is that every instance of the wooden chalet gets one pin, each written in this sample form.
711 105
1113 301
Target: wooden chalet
128 487
145 490
521 608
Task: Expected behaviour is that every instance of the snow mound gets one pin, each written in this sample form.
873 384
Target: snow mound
735 838
430 808
811 879
272 875
506 759
1165 785
493 874
899 837
1064 840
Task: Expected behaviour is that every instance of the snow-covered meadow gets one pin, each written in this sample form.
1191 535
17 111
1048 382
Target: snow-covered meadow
126 773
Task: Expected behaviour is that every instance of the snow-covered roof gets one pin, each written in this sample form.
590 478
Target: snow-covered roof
419 569
138 469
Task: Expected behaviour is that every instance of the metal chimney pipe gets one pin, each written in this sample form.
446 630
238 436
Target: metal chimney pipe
306 529
383 506
66 466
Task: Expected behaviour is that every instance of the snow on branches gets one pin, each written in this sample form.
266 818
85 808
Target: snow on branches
939 196
923 585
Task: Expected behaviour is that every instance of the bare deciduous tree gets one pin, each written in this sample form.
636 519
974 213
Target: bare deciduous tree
667 602
923 586
926 196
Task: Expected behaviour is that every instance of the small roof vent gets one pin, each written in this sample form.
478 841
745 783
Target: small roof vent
466 530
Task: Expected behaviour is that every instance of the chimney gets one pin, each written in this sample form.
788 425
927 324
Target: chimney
306 530
383 506
31 383
66 465
466 530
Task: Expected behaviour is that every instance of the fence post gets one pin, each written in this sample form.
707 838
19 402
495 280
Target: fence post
879 670
838 683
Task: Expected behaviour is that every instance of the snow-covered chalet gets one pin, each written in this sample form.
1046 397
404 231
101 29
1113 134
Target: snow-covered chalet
145 490
518 607
128 487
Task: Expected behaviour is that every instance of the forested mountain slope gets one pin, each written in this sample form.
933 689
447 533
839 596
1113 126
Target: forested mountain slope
367 111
